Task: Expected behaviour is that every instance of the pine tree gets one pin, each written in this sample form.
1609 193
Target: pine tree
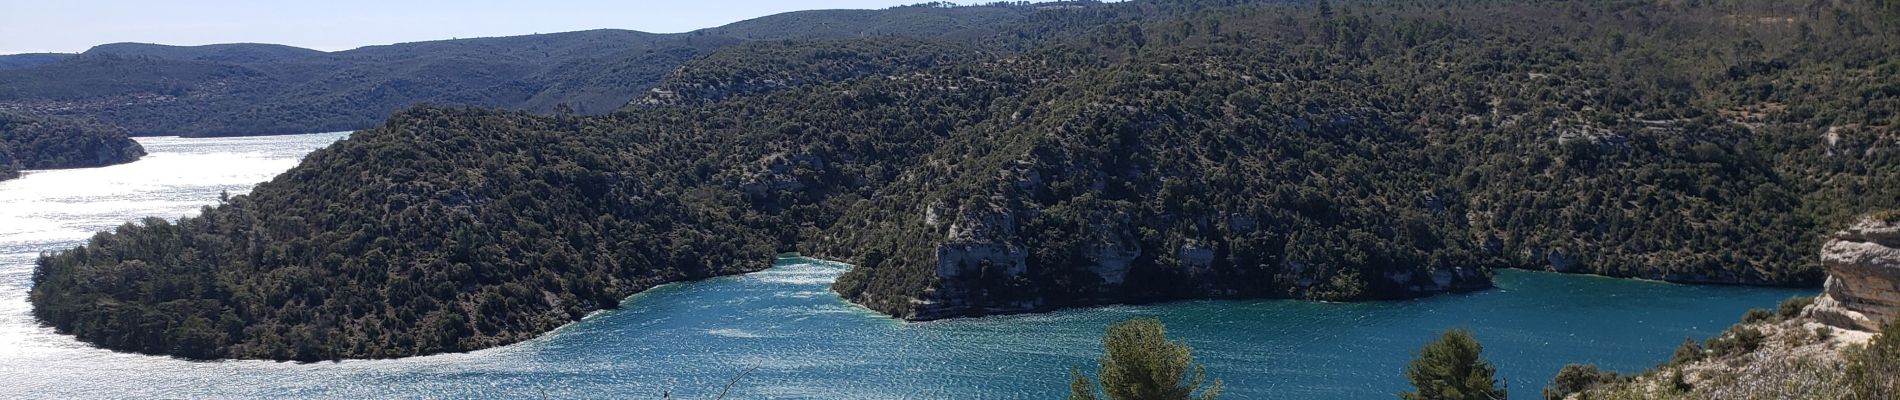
1079 386
1140 363
1452 369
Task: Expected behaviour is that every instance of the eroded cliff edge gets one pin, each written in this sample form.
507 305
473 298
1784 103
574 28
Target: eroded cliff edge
1863 275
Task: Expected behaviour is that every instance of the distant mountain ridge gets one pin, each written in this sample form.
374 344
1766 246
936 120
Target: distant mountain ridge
246 89
954 22
232 53
29 60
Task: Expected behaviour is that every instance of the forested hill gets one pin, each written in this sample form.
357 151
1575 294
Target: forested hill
1123 152
236 53
263 89
17 61
930 19
35 142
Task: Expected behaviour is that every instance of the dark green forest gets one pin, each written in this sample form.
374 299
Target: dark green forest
17 61
1072 154
248 89
36 142
262 89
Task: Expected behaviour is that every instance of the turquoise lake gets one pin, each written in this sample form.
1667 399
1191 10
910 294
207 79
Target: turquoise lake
783 334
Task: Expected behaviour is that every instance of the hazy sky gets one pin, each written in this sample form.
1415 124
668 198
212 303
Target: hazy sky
71 26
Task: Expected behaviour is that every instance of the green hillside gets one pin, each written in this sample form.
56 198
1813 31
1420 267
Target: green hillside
36 142
263 89
1110 153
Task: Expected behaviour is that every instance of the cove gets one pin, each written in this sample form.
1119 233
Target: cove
799 340
806 343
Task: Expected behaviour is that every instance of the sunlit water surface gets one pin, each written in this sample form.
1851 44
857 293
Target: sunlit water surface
782 334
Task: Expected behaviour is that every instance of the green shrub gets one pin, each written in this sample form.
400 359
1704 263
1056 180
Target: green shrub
1140 363
1452 368
1873 372
1888 216
1738 340
1688 352
1755 315
1678 382
1577 378
1793 306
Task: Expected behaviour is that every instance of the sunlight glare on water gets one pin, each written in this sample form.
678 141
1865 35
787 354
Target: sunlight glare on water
799 339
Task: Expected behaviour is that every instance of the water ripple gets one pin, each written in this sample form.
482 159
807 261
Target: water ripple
798 339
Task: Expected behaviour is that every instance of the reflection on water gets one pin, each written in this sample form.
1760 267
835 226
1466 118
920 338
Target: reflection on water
690 339
57 209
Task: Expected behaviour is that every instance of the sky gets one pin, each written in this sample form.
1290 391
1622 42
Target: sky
71 26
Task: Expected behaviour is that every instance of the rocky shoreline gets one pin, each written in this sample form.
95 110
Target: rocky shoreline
1817 350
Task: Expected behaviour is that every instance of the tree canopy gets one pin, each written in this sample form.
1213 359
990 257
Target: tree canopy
1139 362
1452 368
39 142
263 89
1074 155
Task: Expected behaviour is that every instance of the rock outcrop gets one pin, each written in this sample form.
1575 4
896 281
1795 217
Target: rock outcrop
1797 358
1828 350
987 262
1863 283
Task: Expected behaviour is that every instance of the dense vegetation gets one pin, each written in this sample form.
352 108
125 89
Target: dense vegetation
17 61
261 89
35 142
1377 151
1873 370
1074 154
1452 368
465 252
765 66
1140 363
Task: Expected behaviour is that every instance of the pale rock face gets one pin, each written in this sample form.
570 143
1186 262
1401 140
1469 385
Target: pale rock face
982 224
1113 250
975 245
1197 257
1027 176
775 173
1863 283
954 261
1298 268
932 215
978 238
1441 279
1399 277
1560 261
1113 258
